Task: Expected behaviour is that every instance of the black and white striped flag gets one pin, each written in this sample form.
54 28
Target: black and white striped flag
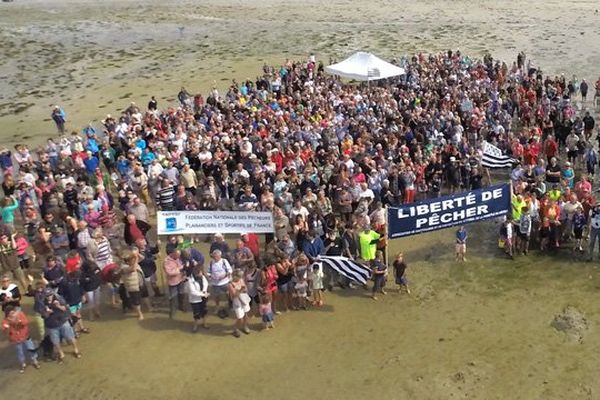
493 158
349 268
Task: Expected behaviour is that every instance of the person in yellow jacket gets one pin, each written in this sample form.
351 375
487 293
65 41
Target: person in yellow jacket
518 203
367 240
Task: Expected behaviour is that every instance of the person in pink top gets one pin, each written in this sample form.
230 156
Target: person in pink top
175 279
22 256
583 187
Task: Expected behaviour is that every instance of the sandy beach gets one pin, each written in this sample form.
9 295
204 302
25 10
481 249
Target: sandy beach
479 330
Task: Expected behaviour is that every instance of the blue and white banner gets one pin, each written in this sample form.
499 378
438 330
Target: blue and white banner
443 212
194 222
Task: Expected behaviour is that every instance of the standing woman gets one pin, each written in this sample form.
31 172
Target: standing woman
90 283
197 290
268 281
252 279
285 273
240 302
299 230
133 281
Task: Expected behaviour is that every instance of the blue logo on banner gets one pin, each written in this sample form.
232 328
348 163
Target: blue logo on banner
444 212
171 224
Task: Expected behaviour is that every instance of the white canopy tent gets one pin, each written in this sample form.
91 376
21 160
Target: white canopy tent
364 66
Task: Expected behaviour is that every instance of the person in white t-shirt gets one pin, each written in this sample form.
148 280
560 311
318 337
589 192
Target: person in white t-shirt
219 275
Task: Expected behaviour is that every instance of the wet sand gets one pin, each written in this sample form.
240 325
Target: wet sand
476 330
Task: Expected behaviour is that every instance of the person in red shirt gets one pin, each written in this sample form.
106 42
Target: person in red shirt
16 326
550 147
73 262
251 242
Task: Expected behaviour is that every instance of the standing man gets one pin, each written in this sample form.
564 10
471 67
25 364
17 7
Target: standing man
594 228
8 259
367 240
152 104
219 276
583 88
588 125
175 279
59 117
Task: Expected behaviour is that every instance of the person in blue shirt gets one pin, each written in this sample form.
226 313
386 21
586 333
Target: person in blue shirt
91 163
123 165
59 117
147 157
313 246
461 244
192 258
140 143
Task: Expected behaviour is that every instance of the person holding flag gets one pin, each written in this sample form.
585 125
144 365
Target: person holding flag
367 240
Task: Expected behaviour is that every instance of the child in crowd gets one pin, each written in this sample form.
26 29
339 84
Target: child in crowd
461 244
400 273
317 284
266 311
301 292
379 274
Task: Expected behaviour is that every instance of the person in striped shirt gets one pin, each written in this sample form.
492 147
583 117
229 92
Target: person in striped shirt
165 196
99 249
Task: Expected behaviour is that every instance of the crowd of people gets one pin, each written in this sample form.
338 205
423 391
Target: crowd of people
322 155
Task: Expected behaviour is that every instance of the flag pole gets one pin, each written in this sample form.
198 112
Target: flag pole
387 240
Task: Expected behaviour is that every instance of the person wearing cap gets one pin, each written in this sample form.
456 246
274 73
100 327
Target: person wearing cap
56 323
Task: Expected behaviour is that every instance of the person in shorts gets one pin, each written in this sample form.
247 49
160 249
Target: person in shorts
219 276
461 244
524 231
240 303
400 273
56 323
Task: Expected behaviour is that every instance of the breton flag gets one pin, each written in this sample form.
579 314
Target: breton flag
493 158
349 268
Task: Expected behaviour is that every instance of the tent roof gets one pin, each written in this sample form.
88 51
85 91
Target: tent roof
364 67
